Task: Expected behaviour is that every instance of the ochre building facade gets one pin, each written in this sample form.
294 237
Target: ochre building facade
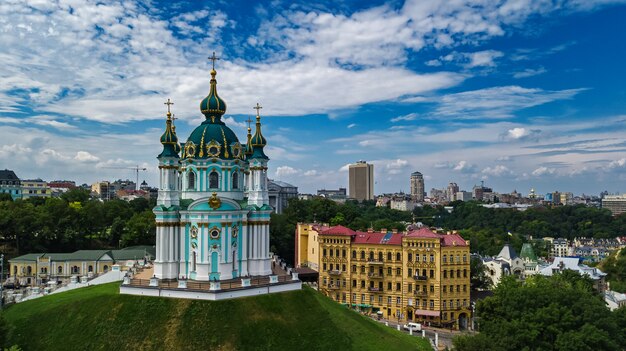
417 276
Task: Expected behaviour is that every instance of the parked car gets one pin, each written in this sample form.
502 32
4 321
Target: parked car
413 326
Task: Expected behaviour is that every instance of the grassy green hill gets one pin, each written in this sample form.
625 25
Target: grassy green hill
99 318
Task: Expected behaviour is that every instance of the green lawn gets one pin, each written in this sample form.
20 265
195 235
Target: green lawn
99 318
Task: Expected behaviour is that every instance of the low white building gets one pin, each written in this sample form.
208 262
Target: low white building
402 205
505 263
614 300
573 263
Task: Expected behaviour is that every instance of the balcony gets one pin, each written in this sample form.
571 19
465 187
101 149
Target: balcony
420 293
334 272
374 261
333 287
420 277
375 275
373 289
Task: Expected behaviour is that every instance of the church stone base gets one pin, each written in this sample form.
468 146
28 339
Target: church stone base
174 289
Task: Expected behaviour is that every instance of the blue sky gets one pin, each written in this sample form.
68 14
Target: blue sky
519 93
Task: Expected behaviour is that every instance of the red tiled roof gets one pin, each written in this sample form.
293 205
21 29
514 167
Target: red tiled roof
423 233
377 238
453 240
338 230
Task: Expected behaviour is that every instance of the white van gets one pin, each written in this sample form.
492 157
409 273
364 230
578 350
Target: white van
413 326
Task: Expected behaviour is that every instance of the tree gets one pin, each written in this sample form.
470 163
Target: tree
561 312
478 275
5 197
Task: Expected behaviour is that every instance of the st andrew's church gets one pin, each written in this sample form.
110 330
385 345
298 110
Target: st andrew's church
212 213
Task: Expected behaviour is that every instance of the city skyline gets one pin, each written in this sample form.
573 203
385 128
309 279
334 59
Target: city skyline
518 94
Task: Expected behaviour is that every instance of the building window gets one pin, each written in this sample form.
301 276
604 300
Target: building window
410 272
388 270
353 297
324 253
343 267
410 288
398 300
343 253
362 255
354 283
464 258
432 288
424 258
445 258
444 291
410 257
451 273
445 274
90 270
432 273
389 286
398 271
235 180
388 256
432 304
398 257
191 181
362 269
331 252
380 299
354 254
324 266
465 273
337 252
362 297
214 180
432 258
59 270
389 300
362 284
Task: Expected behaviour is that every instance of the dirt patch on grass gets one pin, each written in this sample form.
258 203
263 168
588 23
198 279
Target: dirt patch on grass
174 324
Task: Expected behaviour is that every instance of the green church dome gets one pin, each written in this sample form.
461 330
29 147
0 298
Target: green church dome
212 106
213 140
171 148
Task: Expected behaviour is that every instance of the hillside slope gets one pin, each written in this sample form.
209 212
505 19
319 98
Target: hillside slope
99 318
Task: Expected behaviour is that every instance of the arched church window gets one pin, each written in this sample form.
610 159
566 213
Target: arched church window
235 180
60 269
191 180
214 180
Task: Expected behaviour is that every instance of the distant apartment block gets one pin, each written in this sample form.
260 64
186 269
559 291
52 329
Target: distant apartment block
361 181
417 186
35 188
10 184
615 203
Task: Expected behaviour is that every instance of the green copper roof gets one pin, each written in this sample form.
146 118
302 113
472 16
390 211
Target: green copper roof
212 106
257 142
528 252
213 140
169 140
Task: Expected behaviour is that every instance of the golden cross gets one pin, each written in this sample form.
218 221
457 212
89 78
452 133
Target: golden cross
213 58
173 119
249 121
168 103
257 108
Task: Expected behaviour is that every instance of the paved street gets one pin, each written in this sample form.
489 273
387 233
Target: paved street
445 335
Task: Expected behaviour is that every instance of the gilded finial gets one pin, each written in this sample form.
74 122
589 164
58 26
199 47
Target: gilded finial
168 103
213 58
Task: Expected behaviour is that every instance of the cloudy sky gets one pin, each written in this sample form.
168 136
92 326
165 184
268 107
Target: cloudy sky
518 93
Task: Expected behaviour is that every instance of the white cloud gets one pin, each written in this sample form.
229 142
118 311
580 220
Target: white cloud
310 173
408 117
286 171
396 166
497 171
351 125
483 58
541 171
84 156
519 133
529 72
497 102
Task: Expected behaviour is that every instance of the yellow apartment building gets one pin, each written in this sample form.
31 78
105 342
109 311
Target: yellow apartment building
419 276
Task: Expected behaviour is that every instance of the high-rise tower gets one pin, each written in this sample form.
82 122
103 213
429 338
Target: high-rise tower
361 181
417 186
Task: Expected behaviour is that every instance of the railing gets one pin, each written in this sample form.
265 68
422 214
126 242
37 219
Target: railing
197 285
375 275
333 287
374 261
420 293
420 277
373 289
335 272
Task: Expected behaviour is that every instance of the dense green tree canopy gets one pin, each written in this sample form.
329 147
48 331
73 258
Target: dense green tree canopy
561 312
73 222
